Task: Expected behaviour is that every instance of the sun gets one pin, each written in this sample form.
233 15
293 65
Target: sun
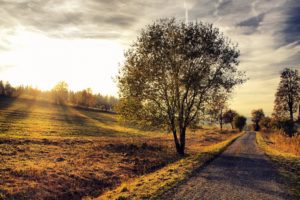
42 61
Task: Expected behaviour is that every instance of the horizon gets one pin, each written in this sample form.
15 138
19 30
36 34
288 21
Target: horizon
83 43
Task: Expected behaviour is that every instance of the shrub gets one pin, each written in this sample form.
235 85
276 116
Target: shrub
286 125
265 123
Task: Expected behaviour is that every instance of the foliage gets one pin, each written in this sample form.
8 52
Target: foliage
285 125
287 97
6 90
257 116
171 71
229 116
240 122
265 123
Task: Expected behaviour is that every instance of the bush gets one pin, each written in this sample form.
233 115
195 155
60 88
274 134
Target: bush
265 123
286 125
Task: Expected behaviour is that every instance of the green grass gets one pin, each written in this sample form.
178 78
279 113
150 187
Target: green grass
288 164
152 185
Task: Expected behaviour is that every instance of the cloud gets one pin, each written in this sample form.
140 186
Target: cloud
267 31
253 21
292 23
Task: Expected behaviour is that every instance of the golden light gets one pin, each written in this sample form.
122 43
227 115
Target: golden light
42 61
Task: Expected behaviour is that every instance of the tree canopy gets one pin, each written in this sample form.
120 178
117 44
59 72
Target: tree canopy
240 122
217 106
287 97
229 116
171 71
257 116
60 92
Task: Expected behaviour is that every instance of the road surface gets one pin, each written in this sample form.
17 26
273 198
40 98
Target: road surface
241 172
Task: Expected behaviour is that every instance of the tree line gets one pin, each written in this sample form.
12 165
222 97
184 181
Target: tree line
86 98
60 94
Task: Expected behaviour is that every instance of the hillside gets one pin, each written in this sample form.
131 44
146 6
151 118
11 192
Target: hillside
32 118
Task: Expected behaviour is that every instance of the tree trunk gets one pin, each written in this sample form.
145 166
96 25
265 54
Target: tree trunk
256 126
231 125
221 125
177 145
182 141
221 121
299 113
291 112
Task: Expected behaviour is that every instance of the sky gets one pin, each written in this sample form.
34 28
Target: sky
83 41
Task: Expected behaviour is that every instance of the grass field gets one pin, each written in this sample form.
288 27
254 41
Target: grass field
285 153
58 152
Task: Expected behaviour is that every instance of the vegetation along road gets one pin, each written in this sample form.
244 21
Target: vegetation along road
241 172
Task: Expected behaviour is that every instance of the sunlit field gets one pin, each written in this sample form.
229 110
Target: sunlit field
51 151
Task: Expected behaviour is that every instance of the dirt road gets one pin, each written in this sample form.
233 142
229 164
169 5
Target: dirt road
241 172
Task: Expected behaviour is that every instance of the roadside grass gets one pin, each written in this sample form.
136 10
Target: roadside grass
284 152
59 152
153 185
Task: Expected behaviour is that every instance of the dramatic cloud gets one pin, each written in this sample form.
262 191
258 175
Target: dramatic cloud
267 31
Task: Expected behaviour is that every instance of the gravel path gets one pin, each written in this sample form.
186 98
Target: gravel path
241 172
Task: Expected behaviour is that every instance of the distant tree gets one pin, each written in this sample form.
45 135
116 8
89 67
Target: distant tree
239 122
287 97
171 71
2 89
60 92
265 123
228 117
217 106
86 98
8 89
257 116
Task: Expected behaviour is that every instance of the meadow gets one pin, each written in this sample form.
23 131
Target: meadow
50 151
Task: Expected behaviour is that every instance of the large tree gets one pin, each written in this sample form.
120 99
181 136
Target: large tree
170 72
287 97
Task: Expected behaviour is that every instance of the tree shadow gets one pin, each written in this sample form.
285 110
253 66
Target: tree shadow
5 102
81 123
11 117
98 116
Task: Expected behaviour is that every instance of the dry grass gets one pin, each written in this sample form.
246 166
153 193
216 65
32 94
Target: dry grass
55 152
283 143
284 152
